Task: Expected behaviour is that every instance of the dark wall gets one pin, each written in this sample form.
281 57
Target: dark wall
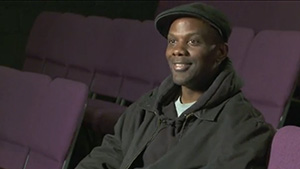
17 19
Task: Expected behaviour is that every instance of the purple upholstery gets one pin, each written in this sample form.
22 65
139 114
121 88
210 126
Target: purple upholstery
144 67
34 64
149 54
80 74
154 55
73 30
132 88
9 151
39 114
106 84
270 71
238 43
101 116
285 150
103 39
40 41
55 69
258 15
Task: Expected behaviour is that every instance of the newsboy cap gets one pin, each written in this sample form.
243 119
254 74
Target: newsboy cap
199 10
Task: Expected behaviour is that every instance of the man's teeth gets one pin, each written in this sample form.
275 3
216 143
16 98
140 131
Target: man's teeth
180 66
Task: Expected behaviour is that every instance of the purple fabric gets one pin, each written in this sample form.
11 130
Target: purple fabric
142 64
270 70
285 151
55 69
73 32
154 59
106 84
12 156
80 74
40 160
33 64
272 113
39 113
39 41
103 37
101 116
132 88
238 43
258 15
149 54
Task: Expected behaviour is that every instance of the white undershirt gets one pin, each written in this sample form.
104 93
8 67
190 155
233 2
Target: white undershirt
181 107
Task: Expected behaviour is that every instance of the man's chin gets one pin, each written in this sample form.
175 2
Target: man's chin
179 80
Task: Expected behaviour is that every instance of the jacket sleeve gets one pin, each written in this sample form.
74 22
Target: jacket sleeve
110 154
246 146
106 156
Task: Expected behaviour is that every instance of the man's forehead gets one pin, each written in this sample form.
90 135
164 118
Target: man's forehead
190 26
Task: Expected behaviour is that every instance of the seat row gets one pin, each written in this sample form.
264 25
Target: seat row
39 119
120 59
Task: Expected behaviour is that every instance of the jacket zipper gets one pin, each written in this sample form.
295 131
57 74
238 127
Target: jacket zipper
147 142
184 124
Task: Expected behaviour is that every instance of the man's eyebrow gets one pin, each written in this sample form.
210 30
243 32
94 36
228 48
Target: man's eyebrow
188 34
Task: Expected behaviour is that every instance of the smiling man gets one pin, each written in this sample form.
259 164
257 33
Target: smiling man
198 117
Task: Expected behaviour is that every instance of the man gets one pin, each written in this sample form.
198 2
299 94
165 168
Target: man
198 117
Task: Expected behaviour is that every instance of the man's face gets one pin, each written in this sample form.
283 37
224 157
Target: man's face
191 52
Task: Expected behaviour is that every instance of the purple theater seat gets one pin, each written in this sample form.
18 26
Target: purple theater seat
106 84
238 43
155 58
144 65
145 52
34 64
55 69
254 14
105 35
74 32
132 89
285 150
40 42
101 116
80 74
102 43
105 88
39 119
270 71
15 151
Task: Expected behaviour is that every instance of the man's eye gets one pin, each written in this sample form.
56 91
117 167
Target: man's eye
171 41
194 42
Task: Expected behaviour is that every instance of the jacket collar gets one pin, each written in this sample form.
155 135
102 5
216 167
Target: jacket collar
209 105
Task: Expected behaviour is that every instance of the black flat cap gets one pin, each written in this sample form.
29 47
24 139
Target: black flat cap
199 10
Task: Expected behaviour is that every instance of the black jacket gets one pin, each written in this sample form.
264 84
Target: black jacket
222 130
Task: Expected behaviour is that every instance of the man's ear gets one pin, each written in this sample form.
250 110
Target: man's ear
222 52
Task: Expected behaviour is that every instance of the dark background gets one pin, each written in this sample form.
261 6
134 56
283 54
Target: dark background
17 18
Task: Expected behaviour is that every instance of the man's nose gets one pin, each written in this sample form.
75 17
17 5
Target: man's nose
180 50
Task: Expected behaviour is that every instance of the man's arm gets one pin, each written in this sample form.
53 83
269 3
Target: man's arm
247 146
109 155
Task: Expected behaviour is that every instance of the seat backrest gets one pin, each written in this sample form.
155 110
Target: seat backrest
241 13
285 150
45 39
40 41
39 119
144 64
270 71
238 44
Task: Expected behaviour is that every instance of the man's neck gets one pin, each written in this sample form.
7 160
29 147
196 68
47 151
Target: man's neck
188 95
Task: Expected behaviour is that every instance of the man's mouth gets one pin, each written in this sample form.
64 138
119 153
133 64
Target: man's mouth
181 66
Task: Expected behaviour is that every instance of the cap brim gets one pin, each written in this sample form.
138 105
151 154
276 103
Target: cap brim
164 21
